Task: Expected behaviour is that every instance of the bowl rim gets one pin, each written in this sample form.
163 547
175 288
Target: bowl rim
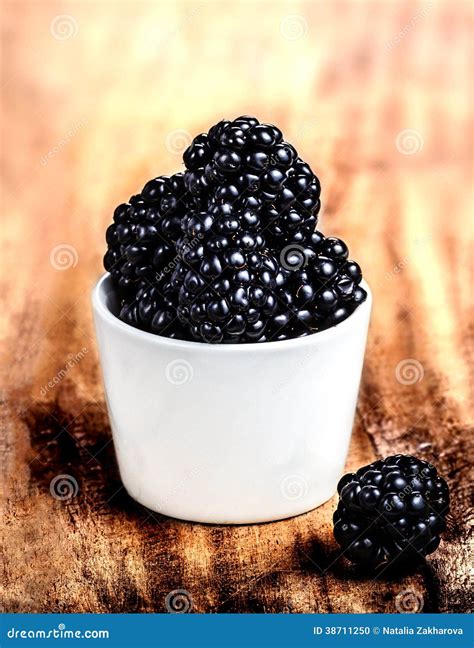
104 286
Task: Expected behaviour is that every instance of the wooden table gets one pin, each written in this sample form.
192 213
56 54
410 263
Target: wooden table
96 101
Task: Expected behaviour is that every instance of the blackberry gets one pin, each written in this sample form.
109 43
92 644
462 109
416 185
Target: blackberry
231 288
245 158
141 240
391 510
318 286
152 309
141 247
225 282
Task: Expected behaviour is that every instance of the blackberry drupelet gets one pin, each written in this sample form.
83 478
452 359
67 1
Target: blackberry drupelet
391 511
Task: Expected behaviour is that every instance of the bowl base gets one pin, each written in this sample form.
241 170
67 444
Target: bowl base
229 520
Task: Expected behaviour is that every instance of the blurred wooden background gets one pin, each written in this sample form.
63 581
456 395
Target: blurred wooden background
100 96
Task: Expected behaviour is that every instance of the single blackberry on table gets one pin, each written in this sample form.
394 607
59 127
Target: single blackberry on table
391 510
246 158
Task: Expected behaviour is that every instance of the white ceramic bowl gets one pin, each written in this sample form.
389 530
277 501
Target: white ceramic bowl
235 433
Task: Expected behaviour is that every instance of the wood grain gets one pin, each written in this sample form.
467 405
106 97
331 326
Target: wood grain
87 120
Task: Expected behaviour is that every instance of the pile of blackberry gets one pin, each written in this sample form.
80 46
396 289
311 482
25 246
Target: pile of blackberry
228 252
391 511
